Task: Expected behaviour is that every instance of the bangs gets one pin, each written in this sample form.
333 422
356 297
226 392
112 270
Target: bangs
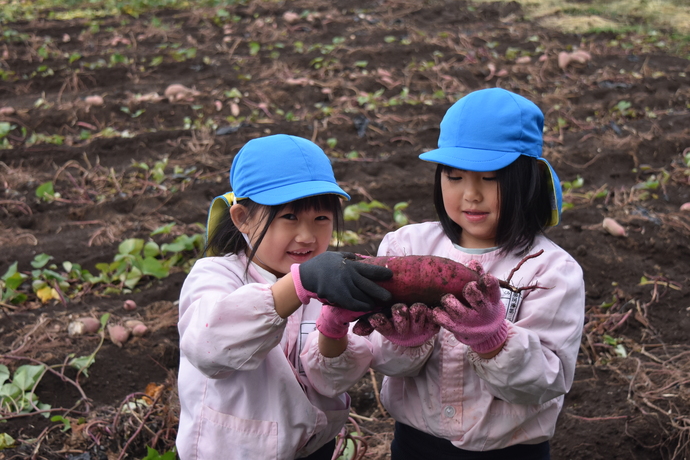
326 202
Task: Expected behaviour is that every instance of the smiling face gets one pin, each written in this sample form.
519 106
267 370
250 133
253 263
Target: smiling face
292 237
471 200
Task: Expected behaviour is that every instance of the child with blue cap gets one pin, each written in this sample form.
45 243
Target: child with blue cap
256 380
491 383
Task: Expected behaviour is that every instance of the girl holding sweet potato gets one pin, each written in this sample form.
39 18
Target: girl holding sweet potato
256 380
491 383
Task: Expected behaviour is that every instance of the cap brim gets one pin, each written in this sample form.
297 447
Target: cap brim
292 192
470 159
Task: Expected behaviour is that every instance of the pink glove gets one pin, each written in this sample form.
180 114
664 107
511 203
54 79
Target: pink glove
409 327
481 325
334 322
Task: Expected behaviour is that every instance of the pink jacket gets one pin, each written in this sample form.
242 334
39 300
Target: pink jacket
253 386
512 398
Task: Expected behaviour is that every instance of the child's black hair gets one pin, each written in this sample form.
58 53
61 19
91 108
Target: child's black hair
524 210
227 238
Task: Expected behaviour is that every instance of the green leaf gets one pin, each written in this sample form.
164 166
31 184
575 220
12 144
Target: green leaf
164 230
10 271
623 106
82 363
400 218
26 376
45 191
4 374
10 391
104 319
608 340
173 247
131 246
152 454
5 129
377 205
50 274
103 267
132 278
351 212
6 441
151 249
65 422
14 281
154 267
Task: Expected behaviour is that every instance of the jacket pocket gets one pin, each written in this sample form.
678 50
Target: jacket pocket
229 437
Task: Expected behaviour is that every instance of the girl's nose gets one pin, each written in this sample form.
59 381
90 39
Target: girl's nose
305 234
473 192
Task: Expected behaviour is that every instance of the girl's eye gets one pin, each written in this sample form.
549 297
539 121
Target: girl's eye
326 218
289 216
453 178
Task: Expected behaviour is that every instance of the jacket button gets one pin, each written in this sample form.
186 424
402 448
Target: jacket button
449 411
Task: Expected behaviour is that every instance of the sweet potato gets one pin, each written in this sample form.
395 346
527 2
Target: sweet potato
423 279
426 279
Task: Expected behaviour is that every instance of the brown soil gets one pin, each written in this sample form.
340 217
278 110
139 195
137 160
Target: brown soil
620 122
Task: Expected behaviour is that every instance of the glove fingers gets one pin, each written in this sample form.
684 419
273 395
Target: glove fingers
354 300
371 290
373 272
490 286
475 296
382 324
420 318
401 318
476 266
442 318
454 306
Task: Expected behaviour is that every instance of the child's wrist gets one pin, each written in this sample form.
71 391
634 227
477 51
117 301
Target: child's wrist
303 295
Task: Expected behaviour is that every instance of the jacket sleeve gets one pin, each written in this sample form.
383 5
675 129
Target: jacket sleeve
396 360
538 360
333 376
225 324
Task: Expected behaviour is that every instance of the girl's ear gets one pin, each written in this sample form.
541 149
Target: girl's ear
239 216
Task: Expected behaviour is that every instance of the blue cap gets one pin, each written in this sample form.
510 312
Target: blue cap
278 169
274 170
489 129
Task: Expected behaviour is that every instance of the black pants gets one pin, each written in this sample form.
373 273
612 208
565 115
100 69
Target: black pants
412 444
325 453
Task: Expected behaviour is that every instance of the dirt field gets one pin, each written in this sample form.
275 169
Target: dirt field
369 82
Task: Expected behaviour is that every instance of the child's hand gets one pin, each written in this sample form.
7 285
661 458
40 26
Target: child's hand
408 326
336 278
334 322
482 325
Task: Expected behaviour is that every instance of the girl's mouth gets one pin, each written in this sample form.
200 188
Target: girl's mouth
475 216
300 256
